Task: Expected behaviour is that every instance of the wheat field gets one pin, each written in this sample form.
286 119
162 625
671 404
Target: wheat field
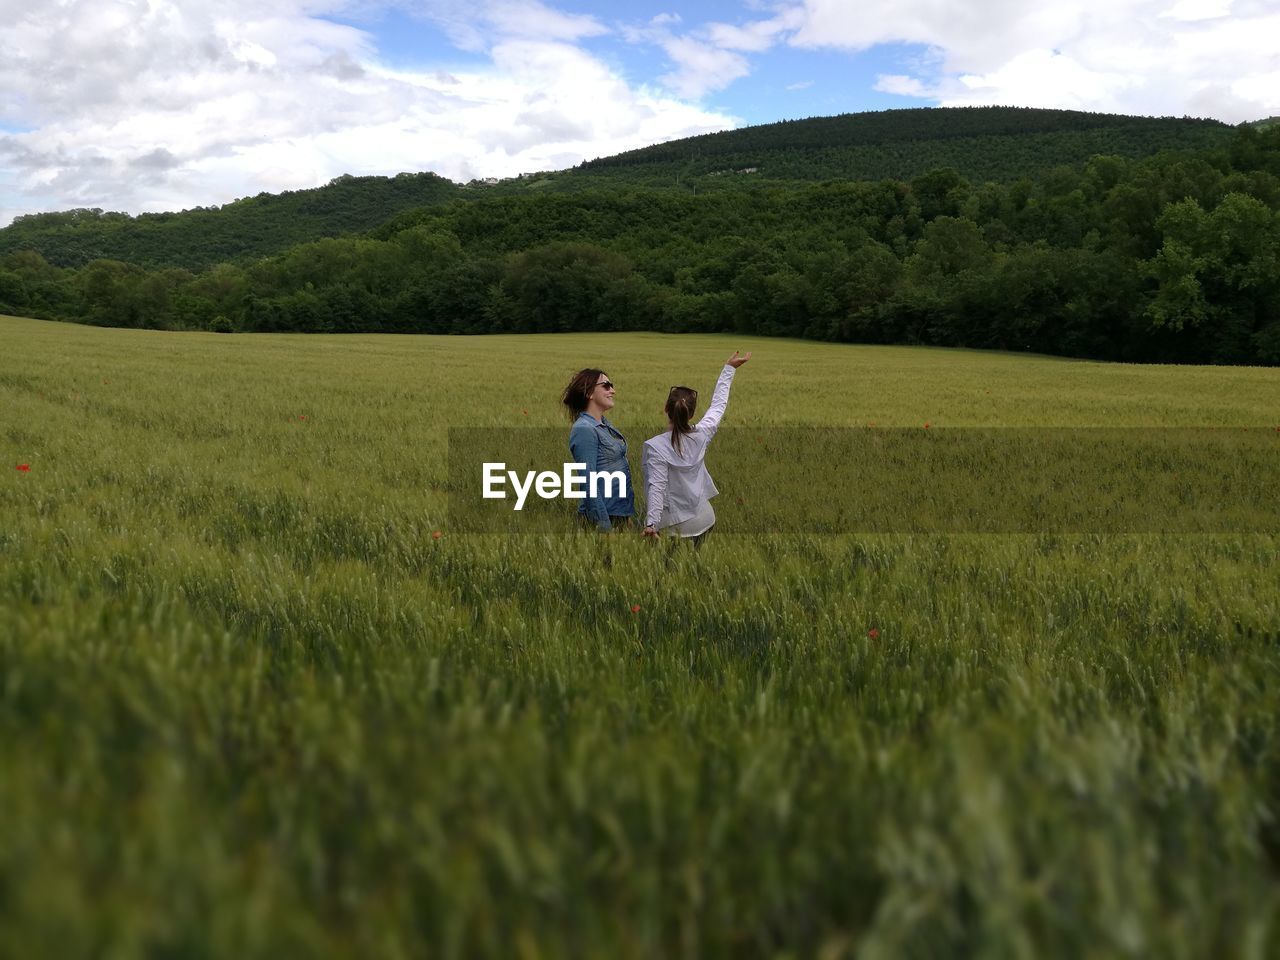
252 705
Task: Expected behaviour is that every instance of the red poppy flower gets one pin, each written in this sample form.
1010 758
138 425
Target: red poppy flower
873 633
435 534
302 416
24 468
635 608
926 424
525 412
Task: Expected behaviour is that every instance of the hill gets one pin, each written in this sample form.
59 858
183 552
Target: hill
243 230
1169 257
981 143
999 144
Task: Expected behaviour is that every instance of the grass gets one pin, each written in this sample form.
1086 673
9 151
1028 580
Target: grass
250 706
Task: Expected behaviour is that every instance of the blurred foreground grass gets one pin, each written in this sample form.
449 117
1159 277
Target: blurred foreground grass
250 706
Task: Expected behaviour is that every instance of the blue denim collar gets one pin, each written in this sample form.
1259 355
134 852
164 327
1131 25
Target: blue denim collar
603 421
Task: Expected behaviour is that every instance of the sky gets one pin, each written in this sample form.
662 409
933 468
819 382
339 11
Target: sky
151 105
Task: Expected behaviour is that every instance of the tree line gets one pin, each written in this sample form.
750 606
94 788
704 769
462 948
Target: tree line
1170 258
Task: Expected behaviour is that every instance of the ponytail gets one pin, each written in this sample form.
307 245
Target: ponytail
680 406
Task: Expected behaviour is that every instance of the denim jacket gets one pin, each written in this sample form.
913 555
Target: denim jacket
602 448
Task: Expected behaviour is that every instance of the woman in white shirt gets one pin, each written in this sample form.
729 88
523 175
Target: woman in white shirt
676 483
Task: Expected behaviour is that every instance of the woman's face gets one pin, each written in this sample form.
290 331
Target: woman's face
602 393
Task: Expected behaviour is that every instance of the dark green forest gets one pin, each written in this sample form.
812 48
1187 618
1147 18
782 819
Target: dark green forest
1001 144
1171 256
240 231
980 143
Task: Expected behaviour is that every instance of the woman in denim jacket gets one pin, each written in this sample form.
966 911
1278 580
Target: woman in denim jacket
594 441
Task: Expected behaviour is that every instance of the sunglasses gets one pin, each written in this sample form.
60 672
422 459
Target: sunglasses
607 384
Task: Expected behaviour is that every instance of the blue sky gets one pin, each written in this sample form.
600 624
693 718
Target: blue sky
786 83
170 104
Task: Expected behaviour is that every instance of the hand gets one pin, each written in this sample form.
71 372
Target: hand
736 361
650 532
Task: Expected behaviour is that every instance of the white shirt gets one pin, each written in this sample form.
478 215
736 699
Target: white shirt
677 486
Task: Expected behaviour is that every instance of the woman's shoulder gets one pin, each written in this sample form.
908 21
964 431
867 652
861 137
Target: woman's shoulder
661 446
691 446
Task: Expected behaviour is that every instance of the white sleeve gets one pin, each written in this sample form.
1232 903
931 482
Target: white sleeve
655 486
719 403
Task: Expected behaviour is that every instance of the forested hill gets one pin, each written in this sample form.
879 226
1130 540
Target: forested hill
1171 257
241 231
981 144
998 144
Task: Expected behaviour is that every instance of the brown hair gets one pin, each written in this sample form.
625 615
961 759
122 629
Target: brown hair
580 389
680 406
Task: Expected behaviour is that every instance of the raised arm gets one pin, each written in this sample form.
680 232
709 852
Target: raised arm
655 487
584 447
720 398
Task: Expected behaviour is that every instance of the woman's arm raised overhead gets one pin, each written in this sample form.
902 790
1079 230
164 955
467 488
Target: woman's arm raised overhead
720 398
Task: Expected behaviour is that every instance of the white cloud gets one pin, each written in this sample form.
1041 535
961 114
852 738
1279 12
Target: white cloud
176 103
1260 88
755 36
1204 57
800 85
475 24
701 67
710 57
901 85
1038 77
1198 9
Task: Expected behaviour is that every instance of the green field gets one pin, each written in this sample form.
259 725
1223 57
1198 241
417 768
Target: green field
251 706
